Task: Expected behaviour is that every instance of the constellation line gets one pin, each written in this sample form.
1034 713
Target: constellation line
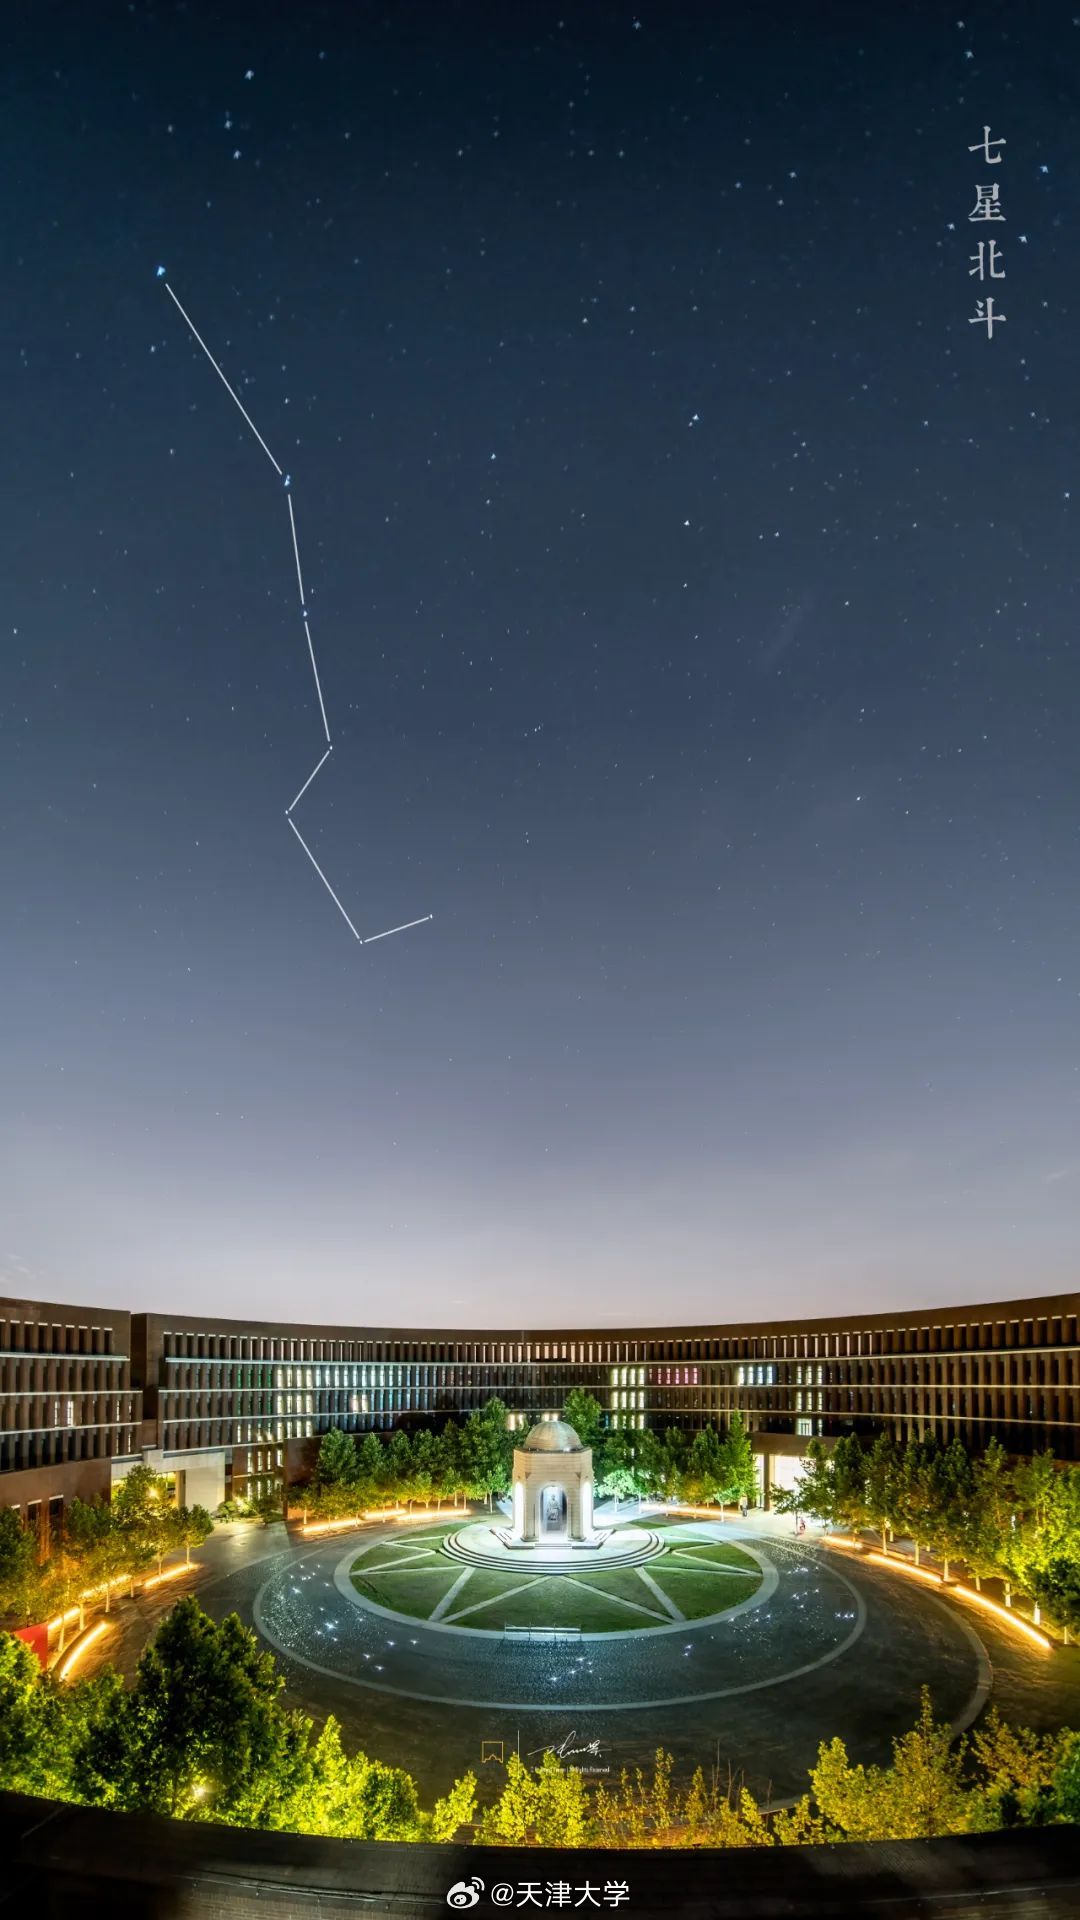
287 481
323 877
310 778
225 383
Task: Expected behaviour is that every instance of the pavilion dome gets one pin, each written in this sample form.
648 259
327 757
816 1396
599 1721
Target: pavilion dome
552 1436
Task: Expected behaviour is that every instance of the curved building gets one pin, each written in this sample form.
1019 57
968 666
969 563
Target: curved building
231 1405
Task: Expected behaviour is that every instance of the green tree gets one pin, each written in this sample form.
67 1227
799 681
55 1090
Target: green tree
383 1802
487 1451
616 1478
641 1809
583 1412
649 1462
545 1807
192 1526
990 1521
29 1717
883 1477
738 1475
372 1478
919 1797
141 1506
1017 1771
202 1733
812 1492
715 1814
21 1589
422 1476
267 1503
1065 1793
848 1475
953 1481
706 1473
399 1463
336 1464
920 1491
455 1810
674 1451
448 1469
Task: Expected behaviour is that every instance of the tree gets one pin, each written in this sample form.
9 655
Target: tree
268 1502
64 1579
848 1475
952 1481
336 1464
202 1733
455 1810
371 1471
20 1577
648 1463
738 1474
616 1478
641 1810
583 1412
399 1461
94 1528
546 1807
192 1526
29 1713
721 1815
919 1797
1018 1770
383 1802
487 1450
705 1475
990 1519
141 1506
882 1487
920 1491
448 1467
422 1476
812 1492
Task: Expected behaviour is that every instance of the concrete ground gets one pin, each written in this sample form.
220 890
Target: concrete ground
834 1645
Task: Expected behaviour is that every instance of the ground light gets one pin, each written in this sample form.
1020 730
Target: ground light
1006 1615
71 1659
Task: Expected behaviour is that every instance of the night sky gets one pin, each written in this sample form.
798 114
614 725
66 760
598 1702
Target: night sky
693 592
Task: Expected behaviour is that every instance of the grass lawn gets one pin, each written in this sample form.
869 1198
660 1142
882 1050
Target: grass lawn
407 1592
415 1583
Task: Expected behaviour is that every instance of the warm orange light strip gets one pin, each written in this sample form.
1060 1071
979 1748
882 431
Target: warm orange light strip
382 1513
170 1573
62 1618
906 1566
71 1660
1005 1614
674 1506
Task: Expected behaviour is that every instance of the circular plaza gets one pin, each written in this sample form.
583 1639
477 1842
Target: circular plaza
756 1645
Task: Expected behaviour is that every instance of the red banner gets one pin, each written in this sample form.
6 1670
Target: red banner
37 1639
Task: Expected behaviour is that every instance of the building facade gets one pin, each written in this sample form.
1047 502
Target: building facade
232 1407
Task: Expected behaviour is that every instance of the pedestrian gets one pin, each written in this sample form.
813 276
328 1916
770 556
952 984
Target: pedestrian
743 1506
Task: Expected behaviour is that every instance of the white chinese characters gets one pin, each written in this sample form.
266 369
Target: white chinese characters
986 260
